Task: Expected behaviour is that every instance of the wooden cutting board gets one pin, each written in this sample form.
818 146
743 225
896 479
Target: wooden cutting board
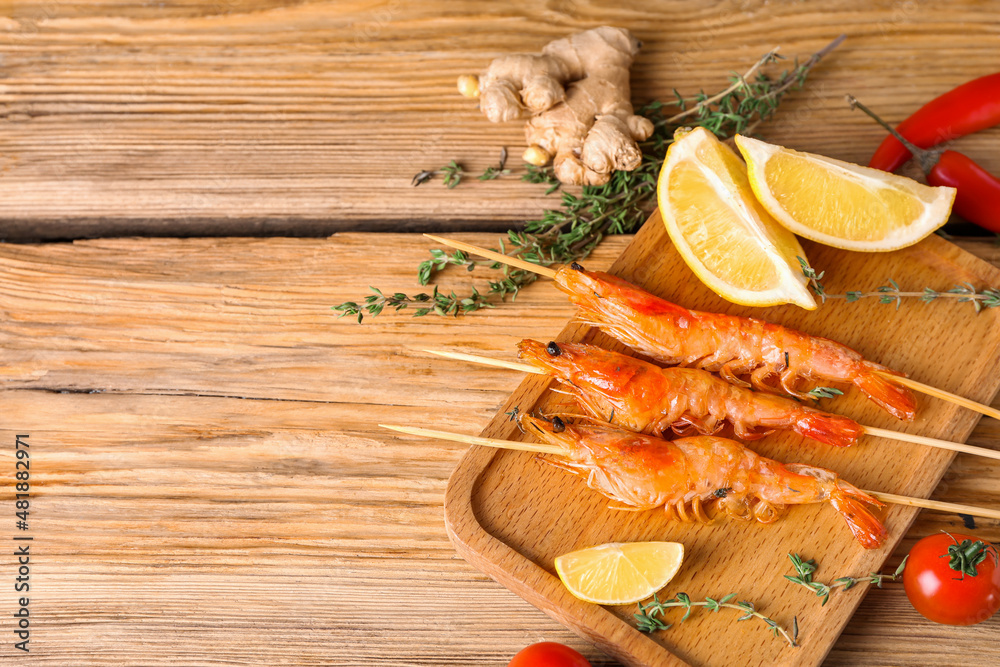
510 514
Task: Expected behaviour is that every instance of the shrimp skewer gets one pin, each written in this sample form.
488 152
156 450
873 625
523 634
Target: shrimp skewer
892 376
621 413
646 398
909 501
776 358
644 472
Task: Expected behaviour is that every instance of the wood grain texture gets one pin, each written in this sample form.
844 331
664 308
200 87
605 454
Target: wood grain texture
255 117
211 487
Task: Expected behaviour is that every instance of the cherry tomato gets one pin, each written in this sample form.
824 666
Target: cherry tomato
548 654
940 583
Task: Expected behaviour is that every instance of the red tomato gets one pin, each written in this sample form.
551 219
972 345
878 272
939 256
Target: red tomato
939 589
548 654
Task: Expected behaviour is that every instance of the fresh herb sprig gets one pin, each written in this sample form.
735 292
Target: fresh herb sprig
452 171
824 392
436 302
804 570
749 100
493 173
891 293
648 618
440 259
569 233
546 175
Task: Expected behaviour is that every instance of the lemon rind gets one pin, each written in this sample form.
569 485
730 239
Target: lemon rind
792 287
652 586
935 214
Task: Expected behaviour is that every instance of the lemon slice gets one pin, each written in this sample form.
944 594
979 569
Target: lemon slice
620 572
720 229
842 204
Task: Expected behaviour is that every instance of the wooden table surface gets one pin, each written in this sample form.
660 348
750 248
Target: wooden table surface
209 485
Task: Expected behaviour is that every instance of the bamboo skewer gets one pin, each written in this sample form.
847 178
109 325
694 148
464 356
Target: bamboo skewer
545 271
538 448
932 442
869 430
559 451
516 262
487 361
926 503
940 393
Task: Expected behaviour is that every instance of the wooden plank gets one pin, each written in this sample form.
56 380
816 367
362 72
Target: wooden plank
202 497
253 117
211 488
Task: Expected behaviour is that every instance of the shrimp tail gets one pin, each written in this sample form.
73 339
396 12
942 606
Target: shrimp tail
828 429
851 503
895 399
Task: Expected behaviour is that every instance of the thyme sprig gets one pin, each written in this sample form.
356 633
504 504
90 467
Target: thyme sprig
546 175
570 232
440 259
492 173
750 98
436 302
454 171
452 175
804 570
891 293
648 618
824 392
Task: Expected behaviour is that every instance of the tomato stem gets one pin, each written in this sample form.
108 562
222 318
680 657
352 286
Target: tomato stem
964 556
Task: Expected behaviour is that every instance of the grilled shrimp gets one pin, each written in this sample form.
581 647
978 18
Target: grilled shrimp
774 357
643 397
643 472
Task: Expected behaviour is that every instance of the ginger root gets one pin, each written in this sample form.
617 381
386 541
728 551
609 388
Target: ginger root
577 99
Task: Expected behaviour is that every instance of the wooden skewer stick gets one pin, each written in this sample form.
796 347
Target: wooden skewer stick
869 430
906 382
940 393
932 442
476 440
552 449
516 262
935 505
488 361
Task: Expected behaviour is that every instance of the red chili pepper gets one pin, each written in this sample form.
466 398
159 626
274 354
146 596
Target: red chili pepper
971 107
978 197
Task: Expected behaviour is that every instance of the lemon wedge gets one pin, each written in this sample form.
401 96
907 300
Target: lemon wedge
721 231
619 572
842 204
